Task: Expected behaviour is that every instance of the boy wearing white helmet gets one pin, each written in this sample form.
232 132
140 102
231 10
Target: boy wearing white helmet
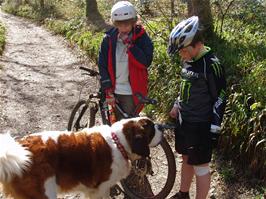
126 53
200 104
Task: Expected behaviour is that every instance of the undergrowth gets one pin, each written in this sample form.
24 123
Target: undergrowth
2 38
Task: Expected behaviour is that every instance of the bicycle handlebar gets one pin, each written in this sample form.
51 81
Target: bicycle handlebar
91 72
145 100
167 126
141 98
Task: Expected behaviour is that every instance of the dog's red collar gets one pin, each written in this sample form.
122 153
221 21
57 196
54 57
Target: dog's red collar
119 146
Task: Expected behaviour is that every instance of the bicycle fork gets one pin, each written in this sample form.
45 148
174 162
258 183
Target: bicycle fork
141 168
93 111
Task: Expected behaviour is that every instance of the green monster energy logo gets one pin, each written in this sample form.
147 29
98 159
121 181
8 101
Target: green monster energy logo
217 69
185 90
222 94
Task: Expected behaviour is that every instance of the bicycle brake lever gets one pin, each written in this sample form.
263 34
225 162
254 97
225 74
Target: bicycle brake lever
145 100
153 101
89 71
163 127
85 74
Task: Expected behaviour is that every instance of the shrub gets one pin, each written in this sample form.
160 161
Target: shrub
2 38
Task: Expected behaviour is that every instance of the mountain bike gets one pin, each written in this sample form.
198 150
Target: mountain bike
146 179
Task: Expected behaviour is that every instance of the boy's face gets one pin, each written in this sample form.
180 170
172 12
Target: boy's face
124 27
189 52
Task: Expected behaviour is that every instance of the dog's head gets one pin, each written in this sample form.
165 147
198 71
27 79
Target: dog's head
141 133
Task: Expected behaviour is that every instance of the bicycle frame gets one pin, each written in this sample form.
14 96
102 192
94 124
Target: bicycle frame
141 167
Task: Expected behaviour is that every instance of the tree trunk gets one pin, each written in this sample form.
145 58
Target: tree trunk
202 9
189 7
92 10
93 15
172 15
42 5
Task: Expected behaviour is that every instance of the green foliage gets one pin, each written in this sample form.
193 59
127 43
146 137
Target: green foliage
242 47
163 78
68 9
245 132
88 41
91 43
2 38
27 11
228 174
104 8
255 81
57 26
32 9
263 189
9 7
76 32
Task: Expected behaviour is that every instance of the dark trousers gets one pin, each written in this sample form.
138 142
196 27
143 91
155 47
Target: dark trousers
126 103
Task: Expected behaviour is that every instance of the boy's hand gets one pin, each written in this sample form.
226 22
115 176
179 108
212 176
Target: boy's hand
215 129
110 98
174 112
215 134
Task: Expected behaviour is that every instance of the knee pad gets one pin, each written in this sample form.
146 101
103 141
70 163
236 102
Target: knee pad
201 171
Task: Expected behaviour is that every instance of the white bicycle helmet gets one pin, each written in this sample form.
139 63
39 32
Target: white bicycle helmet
123 10
183 34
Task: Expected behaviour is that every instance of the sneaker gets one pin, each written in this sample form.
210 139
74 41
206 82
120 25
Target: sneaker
180 195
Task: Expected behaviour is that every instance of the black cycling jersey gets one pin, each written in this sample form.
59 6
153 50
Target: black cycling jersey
202 90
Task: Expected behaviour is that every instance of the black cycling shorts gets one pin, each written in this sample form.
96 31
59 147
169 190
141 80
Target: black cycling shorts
194 140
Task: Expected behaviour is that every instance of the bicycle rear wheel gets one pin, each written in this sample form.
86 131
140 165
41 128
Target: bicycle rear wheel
83 115
158 185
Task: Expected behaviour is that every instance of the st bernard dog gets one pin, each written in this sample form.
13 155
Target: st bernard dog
90 161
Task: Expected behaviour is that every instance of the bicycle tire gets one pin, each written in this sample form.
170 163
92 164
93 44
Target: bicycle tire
82 108
164 192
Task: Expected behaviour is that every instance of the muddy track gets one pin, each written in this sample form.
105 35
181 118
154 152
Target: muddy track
40 82
39 79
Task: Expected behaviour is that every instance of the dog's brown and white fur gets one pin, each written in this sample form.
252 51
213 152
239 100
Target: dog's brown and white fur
90 161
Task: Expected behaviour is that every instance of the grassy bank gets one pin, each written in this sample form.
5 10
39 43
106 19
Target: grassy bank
2 38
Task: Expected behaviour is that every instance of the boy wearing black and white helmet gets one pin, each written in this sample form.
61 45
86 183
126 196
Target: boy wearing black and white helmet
126 53
200 104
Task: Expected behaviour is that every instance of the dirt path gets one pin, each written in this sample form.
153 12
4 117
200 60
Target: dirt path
39 79
40 82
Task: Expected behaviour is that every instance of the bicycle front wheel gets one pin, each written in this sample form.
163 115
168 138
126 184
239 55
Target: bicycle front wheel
158 184
83 115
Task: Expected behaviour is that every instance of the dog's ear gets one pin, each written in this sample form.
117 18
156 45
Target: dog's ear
148 126
137 139
140 145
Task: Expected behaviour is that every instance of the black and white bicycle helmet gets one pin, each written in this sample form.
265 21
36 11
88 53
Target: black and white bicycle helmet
183 34
123 10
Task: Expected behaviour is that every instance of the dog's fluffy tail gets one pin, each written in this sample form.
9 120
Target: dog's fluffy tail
14 158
